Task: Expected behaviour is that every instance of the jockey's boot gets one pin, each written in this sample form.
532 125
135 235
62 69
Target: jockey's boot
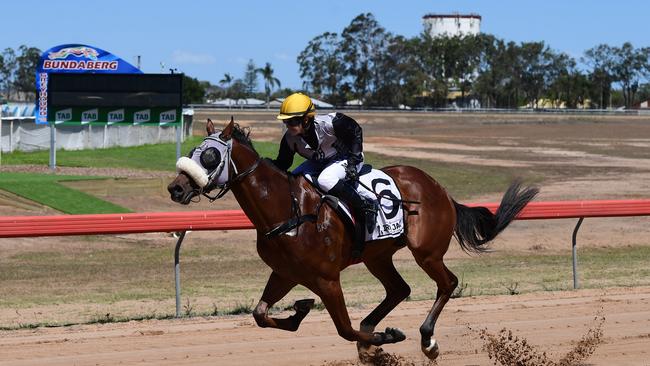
364 214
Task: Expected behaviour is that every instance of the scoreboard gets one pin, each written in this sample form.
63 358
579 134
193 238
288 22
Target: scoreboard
94 98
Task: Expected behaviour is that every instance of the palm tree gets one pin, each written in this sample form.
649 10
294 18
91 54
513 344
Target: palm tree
225 82
269 81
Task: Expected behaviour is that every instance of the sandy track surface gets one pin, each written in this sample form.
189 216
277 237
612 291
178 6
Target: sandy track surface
552 321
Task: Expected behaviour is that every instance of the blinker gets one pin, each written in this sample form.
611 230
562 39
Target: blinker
210 158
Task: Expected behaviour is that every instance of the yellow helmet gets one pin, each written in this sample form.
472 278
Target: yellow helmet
296 105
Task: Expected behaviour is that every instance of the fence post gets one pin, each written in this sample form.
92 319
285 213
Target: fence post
576 285
179 130
177 273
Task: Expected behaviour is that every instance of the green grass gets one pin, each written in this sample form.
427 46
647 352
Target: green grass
45 189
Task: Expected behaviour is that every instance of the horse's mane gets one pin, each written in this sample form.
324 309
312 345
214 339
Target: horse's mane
241 135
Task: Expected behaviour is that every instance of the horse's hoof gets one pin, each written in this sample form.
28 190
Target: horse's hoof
394 335
431 351
303 306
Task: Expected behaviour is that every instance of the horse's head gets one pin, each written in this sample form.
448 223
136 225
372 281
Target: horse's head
205 168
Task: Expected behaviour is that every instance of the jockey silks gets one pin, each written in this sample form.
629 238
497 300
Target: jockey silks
330 136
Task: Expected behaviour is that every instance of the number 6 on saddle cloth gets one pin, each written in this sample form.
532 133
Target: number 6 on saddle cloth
378 186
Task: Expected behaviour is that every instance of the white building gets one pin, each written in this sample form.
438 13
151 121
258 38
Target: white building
452 24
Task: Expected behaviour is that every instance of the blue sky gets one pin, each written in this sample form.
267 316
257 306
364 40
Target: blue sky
206 39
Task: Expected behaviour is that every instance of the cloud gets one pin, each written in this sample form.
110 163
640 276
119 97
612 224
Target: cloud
282 56
186 57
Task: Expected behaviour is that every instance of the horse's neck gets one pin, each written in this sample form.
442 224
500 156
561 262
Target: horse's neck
264 196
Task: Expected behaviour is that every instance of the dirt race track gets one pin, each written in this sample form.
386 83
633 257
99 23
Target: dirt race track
553 322
579 159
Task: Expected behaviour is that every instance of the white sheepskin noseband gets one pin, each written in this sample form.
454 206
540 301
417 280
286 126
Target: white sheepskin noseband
193 169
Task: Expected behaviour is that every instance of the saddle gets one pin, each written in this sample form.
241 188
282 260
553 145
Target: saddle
374 185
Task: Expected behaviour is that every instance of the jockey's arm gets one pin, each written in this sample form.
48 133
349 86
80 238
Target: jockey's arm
349 132
285 155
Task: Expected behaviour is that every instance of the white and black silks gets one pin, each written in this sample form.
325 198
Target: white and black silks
208 164
331 136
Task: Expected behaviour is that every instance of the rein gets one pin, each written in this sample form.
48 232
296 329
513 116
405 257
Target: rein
237 178
296 219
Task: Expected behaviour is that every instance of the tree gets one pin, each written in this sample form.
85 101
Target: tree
401 80
193 90
602 72
535 59
250 78
568 84
25 75
629 66
644 92
238 89
491 70
225 83
7 69
468 59
269 81
321 65
2 79
364 42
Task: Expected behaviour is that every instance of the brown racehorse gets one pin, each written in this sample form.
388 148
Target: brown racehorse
315 256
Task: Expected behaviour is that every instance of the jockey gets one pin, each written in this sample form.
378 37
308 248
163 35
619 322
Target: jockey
332 145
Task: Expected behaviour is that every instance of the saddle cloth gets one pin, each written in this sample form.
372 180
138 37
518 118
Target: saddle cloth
390 216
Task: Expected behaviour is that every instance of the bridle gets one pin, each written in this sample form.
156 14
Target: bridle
232 178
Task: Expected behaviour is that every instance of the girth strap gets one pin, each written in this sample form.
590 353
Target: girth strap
293 223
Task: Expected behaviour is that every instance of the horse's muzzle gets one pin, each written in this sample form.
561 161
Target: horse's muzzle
178 193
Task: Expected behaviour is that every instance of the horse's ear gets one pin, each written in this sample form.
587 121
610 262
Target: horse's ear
227 132
209 127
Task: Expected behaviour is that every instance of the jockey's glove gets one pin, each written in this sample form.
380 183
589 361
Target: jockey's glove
351 172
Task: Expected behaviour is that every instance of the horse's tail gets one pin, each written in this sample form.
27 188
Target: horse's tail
476 226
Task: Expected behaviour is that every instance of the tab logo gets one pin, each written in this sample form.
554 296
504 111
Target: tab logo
91 115
142 116
63 115
116 116
168 116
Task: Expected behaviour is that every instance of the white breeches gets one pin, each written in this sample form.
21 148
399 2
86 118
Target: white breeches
333 173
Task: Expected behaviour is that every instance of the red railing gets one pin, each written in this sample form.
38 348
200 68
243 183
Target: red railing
577 209
28 226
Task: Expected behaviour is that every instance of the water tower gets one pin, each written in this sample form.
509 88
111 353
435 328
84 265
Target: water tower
452 24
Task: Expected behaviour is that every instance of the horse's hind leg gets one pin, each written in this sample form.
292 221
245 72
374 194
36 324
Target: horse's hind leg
332 295
276 288
446 282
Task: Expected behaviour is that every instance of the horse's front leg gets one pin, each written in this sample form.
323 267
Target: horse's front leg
276 288
332 295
